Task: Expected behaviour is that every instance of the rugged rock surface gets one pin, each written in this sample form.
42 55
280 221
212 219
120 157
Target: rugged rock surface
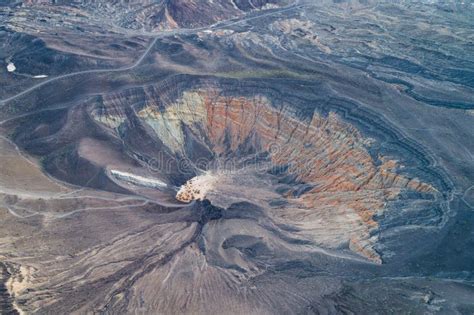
166 14
310 158
336 188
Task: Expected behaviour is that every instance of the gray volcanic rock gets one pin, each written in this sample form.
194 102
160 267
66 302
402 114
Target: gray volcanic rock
236 157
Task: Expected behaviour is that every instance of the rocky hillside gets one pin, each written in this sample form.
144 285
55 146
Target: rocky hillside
165 14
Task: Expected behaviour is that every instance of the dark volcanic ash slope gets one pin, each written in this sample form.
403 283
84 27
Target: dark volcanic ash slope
287 163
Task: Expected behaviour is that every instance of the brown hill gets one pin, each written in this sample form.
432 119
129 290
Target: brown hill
164 14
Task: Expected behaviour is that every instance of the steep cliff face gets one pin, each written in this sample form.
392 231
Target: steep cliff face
336 187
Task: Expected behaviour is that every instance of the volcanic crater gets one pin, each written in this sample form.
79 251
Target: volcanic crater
313 175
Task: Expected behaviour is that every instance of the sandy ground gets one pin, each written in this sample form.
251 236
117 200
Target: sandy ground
196 188
20 174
